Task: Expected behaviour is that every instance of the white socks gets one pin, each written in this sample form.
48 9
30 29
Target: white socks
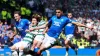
20 52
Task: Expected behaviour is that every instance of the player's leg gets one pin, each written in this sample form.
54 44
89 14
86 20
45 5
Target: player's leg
40 40
68 43
37 42
14 48
69 37
31 36
67 46
47 43
21 48
34 44
23 45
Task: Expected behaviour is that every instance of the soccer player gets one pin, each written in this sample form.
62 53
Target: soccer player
69 32
28 39
40 35
57 22
21 24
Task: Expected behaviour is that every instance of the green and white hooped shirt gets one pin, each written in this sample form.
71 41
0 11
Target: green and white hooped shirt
30 36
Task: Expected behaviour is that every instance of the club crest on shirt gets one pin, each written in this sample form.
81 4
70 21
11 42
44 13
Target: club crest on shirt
57 23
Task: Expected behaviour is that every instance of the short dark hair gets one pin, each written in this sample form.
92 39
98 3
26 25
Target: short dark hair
17 12
36 16
59 8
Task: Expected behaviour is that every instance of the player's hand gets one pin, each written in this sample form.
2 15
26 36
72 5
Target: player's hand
31 29
43 32
27 30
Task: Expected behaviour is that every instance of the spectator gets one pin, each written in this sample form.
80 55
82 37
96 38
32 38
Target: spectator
2 41
17 38
10 38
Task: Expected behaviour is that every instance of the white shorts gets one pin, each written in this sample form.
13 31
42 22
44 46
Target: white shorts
69 36
22 43
48 41
39 38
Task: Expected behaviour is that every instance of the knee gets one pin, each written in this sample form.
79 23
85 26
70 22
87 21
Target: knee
12 48
21 48
38 46
66 42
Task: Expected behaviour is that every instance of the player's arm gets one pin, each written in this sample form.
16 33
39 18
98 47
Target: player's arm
42 26
39 27
81 25
22 24
45 30
30 26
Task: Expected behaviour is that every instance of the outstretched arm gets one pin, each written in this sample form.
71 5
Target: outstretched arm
81 25
46 29
39 27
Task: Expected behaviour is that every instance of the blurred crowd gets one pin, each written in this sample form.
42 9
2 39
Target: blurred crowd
7 35
85 37
84 11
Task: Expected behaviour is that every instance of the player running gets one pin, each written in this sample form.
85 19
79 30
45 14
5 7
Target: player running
69 32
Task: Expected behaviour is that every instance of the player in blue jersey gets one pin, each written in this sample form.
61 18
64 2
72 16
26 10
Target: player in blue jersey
57 22
21 24
69 31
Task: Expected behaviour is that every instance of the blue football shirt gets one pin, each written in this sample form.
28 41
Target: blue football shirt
57 24
69 28
22 25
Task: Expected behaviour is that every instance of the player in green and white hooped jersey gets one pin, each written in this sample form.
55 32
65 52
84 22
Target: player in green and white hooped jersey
40 36
28 39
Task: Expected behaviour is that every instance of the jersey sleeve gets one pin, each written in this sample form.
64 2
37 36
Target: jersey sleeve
50 20
69 21
27 22
41 23
22 24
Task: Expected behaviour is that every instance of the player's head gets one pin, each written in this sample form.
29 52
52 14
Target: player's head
59 12
17 15
69 15
35 19
36 16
